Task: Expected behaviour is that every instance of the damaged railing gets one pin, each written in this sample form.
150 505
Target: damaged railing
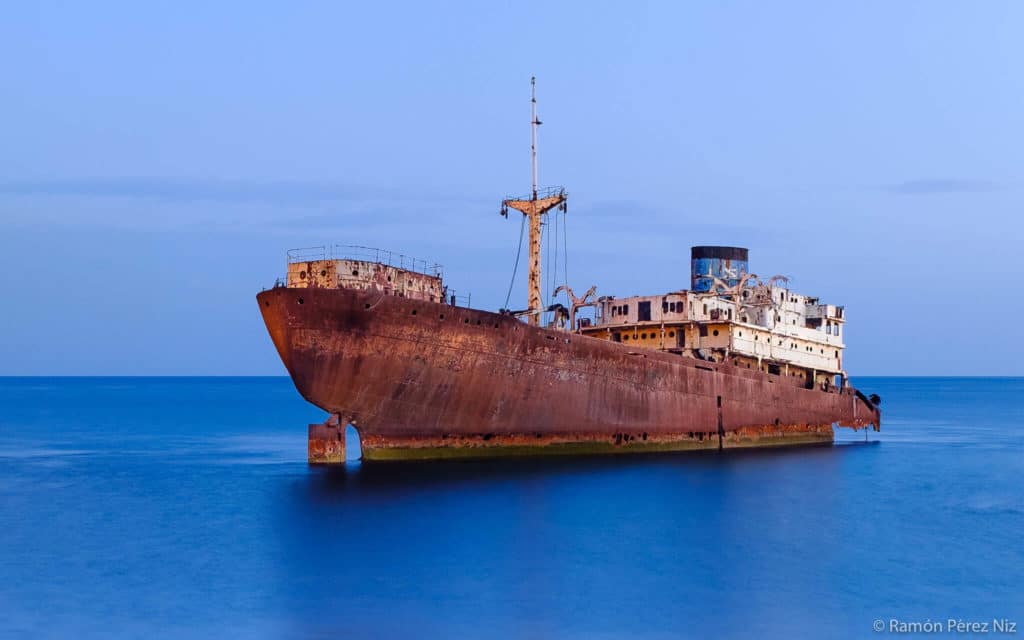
456 300
364 254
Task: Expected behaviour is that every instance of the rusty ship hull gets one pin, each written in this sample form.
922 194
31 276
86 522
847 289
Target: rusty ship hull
421 379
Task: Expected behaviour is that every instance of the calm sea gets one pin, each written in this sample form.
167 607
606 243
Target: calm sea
169 507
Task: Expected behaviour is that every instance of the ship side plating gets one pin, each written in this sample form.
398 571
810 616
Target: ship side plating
422 379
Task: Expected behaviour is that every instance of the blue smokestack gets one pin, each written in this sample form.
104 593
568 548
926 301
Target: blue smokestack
725 263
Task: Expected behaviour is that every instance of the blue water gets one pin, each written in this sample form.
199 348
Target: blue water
184 507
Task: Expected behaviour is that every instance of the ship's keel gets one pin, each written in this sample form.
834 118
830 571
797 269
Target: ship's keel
327 442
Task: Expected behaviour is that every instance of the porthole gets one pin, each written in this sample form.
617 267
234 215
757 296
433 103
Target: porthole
366 306
643 336
715 332
413 312
671 334
302 275
323 273
442 316
267 304
355 272
301 301
625 338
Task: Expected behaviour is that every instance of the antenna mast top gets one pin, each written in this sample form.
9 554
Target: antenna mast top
534 123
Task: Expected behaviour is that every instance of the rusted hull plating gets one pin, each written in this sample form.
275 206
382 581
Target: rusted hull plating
425 380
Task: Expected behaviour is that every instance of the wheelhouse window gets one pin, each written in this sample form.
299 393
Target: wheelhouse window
643 310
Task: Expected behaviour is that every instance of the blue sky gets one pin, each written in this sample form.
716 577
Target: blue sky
157 160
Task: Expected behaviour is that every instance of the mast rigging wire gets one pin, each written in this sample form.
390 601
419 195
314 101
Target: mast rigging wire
546 239
565 256
519 251
554 267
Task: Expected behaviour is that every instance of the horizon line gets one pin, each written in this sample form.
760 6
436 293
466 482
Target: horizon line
10 376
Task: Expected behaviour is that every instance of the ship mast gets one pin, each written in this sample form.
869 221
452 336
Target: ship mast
534 208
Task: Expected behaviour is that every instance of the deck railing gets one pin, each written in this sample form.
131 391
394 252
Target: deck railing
459 300
364 254
542 192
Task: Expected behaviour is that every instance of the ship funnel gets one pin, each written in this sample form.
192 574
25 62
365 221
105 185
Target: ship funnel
728 264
